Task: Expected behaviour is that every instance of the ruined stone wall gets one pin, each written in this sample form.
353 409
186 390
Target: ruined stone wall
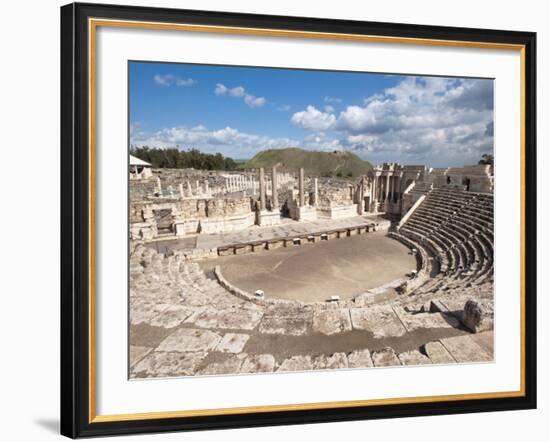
187 216
142 189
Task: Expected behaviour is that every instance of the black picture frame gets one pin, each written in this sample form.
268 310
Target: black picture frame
75 221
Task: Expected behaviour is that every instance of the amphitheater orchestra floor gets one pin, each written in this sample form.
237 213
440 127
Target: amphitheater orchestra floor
313 272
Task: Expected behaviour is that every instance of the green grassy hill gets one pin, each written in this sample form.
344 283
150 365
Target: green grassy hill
341 164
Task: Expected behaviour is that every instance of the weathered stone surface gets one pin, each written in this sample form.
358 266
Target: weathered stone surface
413 357
437 353
465 349
296 363
485 340
190 339
143 310
159 364
360 359
337 360
258 364
229 366
236 318
137 352
172 316
381 321
285 319
476 317
385 358
331 321
232 343
416 321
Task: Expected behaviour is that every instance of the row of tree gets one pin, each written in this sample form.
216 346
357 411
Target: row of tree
179 159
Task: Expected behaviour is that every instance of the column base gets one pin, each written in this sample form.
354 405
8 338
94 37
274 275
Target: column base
267 218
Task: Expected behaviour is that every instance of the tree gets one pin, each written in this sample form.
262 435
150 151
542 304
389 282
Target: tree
172 158
487 158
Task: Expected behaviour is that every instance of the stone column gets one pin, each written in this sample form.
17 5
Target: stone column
361 202
182 195
159 186
316 191
274 195
387 187
189 190
262 189
301 187
206 189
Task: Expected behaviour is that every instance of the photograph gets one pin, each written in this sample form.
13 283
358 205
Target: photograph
290 220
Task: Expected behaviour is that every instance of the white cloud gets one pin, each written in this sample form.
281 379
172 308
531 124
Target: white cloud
328 99
169 80
253 101
237 91
220 89
228 140
313 119
329 109
240 92
438 121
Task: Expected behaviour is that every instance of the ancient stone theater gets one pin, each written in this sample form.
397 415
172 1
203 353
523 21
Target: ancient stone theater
276 270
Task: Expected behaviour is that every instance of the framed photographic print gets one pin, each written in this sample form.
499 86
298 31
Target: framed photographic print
274 220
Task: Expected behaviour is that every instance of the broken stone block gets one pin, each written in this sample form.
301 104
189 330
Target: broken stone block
360 359
296 363
331 321
337 360
385 358
413 357
232 343
476 317
258 364
437 353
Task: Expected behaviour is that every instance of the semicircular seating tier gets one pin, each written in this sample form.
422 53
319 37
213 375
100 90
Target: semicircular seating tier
452 232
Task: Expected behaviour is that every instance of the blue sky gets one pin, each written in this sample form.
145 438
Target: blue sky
240 111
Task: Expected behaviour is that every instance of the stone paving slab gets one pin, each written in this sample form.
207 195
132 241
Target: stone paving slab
236 318
229 366
172 316
360 359
385 358
413 357
381 321
161 364
417 321
465 349
263 363
331 321
323 362
232 343
438 354
296 363
190 340
485 340
143 310
138 352
283 319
